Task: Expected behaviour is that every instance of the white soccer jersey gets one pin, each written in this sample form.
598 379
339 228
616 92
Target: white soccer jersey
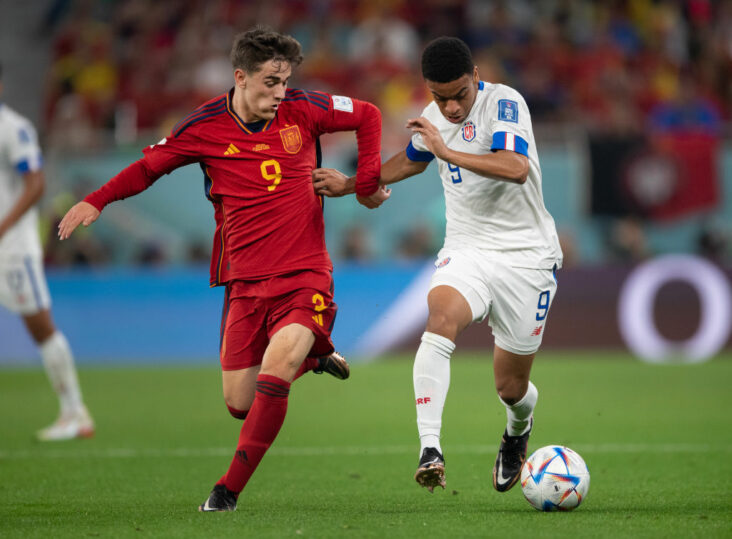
19 153
503 220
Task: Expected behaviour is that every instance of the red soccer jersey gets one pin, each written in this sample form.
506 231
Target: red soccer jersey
269 221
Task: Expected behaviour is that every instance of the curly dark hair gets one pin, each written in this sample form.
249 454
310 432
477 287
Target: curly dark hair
259 45
446 59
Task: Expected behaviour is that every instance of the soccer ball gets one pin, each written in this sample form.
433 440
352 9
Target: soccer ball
555 478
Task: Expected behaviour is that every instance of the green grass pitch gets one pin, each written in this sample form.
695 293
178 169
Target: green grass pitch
657 440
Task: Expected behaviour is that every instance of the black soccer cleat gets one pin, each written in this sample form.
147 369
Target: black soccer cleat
220 499
431 470
510 459
335 365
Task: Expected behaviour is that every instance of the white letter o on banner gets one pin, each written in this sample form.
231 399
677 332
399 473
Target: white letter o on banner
635 309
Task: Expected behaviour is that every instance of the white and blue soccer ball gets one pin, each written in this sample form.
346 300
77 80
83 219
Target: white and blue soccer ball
555 478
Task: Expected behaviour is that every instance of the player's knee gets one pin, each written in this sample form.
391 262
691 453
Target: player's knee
442 324
510 391
293 361
238 414
40 326
237 405
283 365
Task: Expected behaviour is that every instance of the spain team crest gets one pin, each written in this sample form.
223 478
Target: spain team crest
291 139
468 131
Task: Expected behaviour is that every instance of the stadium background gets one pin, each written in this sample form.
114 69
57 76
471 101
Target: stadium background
631 109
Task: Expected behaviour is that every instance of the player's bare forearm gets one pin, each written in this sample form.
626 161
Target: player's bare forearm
81 213
400 167
34 185
503 164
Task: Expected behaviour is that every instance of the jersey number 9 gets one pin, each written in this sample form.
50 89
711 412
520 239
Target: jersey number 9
271 172
454 173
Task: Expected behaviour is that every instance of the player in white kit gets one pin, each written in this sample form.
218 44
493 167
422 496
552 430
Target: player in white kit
501 249
23 287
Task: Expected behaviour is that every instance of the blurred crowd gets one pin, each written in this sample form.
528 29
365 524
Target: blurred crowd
618 66
607 65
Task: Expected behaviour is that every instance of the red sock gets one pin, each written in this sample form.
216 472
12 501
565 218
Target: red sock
308 365
259 430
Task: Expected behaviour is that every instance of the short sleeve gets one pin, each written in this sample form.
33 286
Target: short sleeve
23 148
510 121
417 151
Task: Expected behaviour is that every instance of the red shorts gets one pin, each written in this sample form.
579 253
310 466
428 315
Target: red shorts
256 310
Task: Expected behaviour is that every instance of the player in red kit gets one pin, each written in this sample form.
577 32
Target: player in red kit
257 146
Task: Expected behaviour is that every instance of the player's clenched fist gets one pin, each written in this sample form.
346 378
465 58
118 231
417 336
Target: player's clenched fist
81 213
376 199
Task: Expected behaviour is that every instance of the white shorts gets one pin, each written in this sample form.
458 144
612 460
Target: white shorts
23 287
515 300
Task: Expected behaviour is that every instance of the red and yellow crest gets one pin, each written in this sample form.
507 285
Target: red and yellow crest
291 139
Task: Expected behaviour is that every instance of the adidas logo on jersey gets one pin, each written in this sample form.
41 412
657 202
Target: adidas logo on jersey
231 150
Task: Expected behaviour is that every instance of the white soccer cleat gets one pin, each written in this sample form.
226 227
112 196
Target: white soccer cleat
68 427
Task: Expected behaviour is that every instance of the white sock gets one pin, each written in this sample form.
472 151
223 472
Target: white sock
59 364
431 381
519 414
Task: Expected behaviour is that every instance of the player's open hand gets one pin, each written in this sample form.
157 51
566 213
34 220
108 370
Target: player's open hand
332 183
376 199
81 213
430 135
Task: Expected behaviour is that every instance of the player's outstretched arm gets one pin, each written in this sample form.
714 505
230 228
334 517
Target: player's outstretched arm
399 167
130 181
333 183
81 213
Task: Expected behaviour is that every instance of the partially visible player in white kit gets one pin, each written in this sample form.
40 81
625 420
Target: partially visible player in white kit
501 248
23 287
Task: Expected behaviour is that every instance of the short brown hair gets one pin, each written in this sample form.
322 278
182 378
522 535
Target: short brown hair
259 45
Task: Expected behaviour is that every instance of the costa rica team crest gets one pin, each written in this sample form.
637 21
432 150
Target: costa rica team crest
468 131
291 139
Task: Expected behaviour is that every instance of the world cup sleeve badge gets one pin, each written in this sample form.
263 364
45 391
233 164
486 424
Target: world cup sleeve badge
508 110
291 139
468 131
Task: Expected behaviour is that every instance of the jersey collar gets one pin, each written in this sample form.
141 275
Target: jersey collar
248 128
